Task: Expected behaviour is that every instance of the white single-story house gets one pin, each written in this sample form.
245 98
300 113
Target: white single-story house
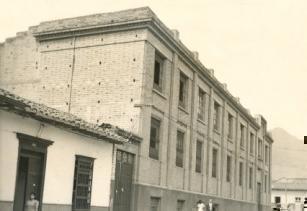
66 162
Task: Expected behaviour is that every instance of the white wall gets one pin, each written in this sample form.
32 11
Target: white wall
60 160
288 197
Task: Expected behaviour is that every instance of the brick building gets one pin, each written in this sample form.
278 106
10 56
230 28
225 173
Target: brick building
127 68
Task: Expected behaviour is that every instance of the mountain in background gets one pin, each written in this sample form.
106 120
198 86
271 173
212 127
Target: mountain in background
289 155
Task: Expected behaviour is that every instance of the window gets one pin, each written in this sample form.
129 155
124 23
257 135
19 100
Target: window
251 143
297 199
179 149
201 104
214 162
154 139
277 199
82 186
250 178
259 148
240 173
216 116
266 155
199 150
242 135
228 167
158 73
265 183
154 204
230 126
180 205
183 88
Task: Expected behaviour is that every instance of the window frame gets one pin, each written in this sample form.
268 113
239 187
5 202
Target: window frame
159 59
77 171
214 163
251 178
155 151
242 135
199 157
183 90
230 121
180 149
216 116
201 109
251 143
156 200
241 170
228 168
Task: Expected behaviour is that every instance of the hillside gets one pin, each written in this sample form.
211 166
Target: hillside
289 156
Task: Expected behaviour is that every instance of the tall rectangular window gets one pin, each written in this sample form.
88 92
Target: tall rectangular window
265 183
158 73
230 126
250 178
154 139
179 149
251 143
82 186
155 204
201 104
183 89
240 173
228 168
199 150
242 135
180 205
214 162
266 155
216 116
259 148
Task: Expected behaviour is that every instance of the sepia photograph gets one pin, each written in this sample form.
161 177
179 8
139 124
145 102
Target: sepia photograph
151 105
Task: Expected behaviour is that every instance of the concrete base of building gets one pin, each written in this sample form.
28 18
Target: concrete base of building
8 206
169 198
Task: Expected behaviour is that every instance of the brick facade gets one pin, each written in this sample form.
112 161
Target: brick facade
101 68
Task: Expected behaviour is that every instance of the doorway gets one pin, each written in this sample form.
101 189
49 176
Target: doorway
30 170
123 181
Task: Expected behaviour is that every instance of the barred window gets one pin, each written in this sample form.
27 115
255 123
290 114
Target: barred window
82 186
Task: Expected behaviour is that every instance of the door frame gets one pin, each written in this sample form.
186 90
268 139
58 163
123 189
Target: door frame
32 144
133 167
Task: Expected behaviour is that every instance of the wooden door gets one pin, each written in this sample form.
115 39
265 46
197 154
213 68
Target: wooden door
123 181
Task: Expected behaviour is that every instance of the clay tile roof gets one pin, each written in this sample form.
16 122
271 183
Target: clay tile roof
24 107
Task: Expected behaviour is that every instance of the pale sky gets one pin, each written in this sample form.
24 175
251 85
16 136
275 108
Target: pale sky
257 47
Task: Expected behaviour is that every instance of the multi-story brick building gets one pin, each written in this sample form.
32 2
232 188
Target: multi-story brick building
127 68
